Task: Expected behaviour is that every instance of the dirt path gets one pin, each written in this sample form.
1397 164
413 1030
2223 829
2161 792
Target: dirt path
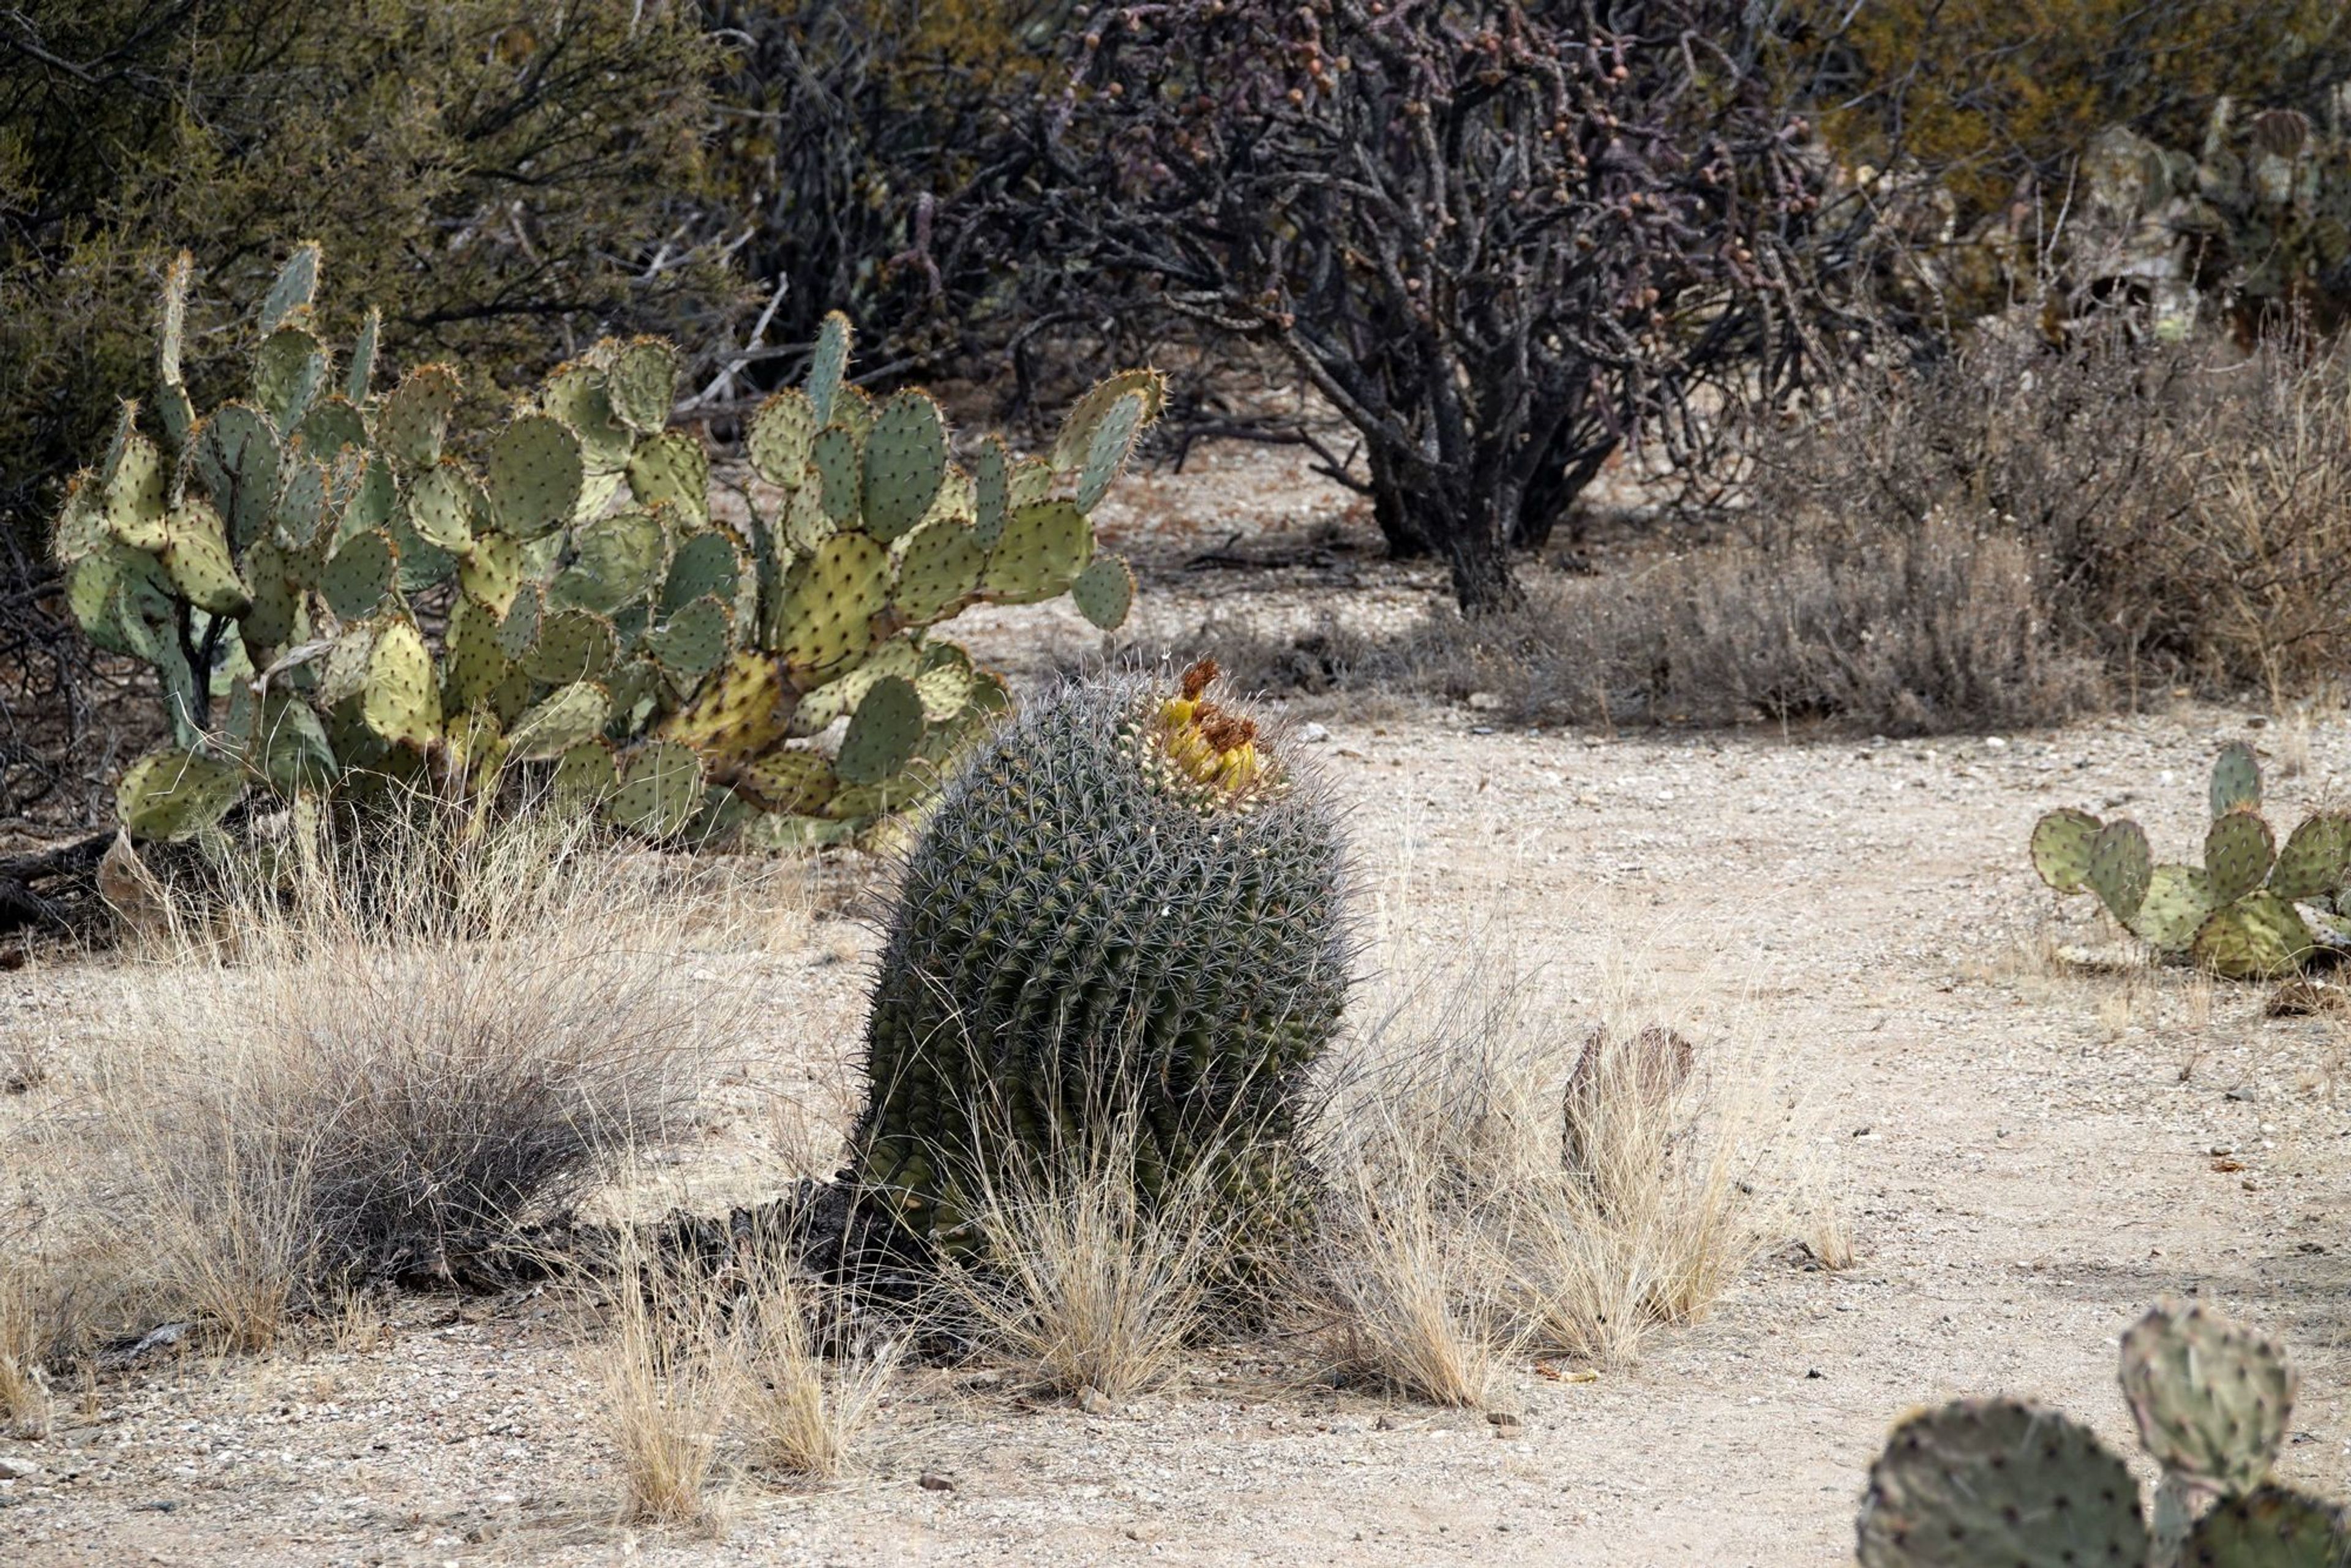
2030 1154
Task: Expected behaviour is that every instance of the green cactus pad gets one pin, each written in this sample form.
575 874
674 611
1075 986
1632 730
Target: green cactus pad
673 470
572 645
80 526
805 523
370 495
709 565
1104 593
274 616
297 284
2212 1397
1045 546
474 660
346 673
490 573
837 698
830 603
828 364
833 456
1032 481
175 794
739 713
332 424
2236 779
939 570
660 791
576 394
446 505
692 643
116 594
906 462
288 374
620 560
301 504
2120 868
568 717
781 434
642 384
991 481
1074 443
235 457
2061 847
292 745
136 505
2269 1528
355 578
2179 902
2315 860
946 685
532 476
882 733
2259 936
1992 1483
2238 853
586 776
196 556
1107 451
361 371
401 700
784 780
414 418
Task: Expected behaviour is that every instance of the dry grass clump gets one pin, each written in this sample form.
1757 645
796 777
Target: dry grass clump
1074 1273
371 1051
27 1346
1504 1185
809 1388
667 1371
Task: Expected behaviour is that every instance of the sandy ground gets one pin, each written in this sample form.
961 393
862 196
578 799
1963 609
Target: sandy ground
2029 1153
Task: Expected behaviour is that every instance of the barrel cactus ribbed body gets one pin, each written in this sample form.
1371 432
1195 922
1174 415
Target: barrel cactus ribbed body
1128 903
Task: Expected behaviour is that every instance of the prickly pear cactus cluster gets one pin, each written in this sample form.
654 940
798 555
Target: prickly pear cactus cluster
332 593
1129 902
2255 908
1999 1483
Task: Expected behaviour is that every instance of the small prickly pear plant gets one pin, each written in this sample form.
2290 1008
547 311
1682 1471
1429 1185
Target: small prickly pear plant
1128 903
1999 1483
332 594
2254 909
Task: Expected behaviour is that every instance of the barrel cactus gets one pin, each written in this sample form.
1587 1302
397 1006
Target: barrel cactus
335 589
1128 902
2254 908
2000 1483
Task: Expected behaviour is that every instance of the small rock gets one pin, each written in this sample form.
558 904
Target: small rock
1146 1530
933 1481
1484 702
1506 1423
16 1469
1094 1401
1312 735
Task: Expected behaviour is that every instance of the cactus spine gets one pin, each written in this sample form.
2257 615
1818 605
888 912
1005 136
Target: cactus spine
1128 901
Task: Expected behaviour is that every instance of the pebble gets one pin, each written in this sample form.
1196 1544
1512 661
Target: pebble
1312 735
16 1469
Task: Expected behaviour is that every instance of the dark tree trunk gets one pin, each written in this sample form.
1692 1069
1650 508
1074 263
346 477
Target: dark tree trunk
1473 535
1552 494
1392 509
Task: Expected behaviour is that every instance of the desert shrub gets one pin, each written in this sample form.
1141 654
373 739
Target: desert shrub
1503 241
2010 537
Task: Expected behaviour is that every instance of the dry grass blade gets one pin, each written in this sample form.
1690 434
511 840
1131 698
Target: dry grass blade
24 1340
666 1368
806 1397
1076 1276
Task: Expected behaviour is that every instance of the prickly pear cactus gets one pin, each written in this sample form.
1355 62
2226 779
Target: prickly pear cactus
2000 1484
2254 909
333 591
1129 898
1994 1483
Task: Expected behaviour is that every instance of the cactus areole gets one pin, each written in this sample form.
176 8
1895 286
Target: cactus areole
1128 903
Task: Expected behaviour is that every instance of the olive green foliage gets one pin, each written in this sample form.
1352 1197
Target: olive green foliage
498 177
1126 905
1999 1483
2255 908
333 596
